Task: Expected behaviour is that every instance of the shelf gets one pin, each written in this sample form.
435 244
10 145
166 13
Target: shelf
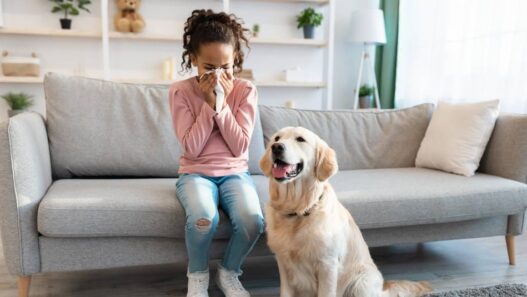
289 84
316 2
150 37
141 36
21 80
50 32
270 83
276 41
289 41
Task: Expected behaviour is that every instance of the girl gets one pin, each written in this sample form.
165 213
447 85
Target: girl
213 167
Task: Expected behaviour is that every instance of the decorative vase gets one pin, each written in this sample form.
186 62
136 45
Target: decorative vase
65 24
365 101
12 113
309 32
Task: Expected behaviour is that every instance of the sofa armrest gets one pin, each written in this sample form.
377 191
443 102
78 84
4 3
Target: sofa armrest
506 153
25 176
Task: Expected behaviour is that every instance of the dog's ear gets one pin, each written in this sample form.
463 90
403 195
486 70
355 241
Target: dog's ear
266 163
326 162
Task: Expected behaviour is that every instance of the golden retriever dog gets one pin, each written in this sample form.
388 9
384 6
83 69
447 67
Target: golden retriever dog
319 249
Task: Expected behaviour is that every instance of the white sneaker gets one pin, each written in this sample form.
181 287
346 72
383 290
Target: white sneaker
198 284
229 284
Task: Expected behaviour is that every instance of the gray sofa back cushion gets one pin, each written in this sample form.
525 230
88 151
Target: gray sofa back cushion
506 153
256 147
361 139
102 128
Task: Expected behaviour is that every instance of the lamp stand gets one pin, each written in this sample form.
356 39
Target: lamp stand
365 57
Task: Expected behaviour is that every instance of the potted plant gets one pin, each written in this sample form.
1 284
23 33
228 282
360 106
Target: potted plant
256 30
309 19
69 7
366 96
18 102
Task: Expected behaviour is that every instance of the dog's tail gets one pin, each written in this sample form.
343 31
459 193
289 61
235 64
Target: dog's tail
400 288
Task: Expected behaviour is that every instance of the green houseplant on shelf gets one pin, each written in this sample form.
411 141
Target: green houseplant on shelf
366 96
69 7
18 102
308 19
256 30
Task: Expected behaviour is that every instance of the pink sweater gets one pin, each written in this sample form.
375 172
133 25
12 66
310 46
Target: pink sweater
214 144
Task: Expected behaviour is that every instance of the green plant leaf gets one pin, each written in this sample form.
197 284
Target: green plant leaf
71 7
366 90
18 101
309 17
74 11
83 3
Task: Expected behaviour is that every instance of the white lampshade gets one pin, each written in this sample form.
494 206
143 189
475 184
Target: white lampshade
367 26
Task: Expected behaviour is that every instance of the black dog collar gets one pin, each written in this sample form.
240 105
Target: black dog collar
306 212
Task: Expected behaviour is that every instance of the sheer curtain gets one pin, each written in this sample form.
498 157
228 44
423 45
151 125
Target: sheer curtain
462 51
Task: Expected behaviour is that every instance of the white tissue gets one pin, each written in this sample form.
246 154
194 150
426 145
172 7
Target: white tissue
220 93
218 89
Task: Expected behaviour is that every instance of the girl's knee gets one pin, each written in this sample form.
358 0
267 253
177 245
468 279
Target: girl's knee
252 226
202 224
259 224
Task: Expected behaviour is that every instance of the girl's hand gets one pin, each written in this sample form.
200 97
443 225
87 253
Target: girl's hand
207 83
227 82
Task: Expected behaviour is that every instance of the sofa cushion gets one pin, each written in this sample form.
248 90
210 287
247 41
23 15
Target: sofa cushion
411 196
457 136
119 207
362 139
256 147
102 128
376 198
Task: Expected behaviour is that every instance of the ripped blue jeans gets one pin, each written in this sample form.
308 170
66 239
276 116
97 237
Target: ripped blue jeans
200 196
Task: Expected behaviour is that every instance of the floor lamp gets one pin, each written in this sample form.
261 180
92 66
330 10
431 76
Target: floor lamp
367 27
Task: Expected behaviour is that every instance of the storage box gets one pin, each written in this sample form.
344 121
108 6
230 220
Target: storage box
20 66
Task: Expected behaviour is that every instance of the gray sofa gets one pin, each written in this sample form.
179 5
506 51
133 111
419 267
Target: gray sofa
93 184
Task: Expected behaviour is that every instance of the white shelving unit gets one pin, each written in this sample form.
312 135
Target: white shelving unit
107 38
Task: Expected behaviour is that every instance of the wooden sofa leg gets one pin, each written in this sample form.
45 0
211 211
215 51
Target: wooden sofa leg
23 286
509 239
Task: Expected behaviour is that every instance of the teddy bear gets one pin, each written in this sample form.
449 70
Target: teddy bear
127 19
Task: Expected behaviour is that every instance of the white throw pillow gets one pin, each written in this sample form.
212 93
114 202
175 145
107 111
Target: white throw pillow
457 136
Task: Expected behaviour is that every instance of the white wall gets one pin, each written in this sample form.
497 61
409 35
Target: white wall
347 54
142 59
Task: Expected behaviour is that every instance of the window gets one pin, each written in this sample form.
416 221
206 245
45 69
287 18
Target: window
462 51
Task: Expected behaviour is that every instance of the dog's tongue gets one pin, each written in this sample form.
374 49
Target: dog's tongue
281 171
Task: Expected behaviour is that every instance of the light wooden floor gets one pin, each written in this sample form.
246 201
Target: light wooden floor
447 265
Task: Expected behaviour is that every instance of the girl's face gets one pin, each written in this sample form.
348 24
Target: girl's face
212 56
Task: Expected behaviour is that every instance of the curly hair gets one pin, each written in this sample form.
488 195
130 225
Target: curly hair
206 26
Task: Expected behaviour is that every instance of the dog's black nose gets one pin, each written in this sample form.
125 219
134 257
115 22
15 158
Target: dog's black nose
277 148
